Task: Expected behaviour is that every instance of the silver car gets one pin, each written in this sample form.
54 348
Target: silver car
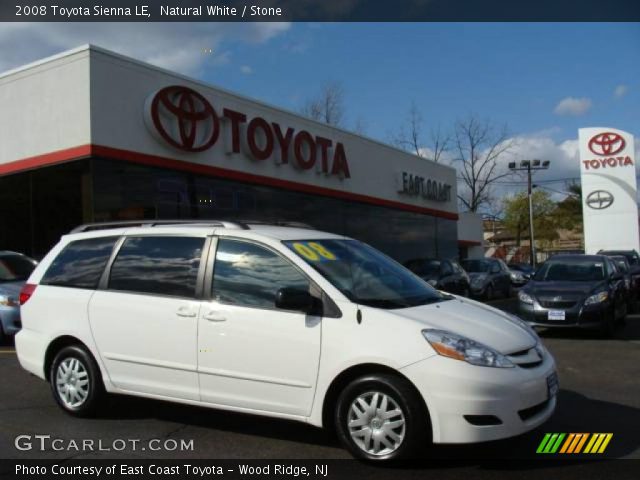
15 268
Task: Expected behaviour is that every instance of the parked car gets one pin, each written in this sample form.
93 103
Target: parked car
633 272
622 266
582 291
489 277
15 268
285 322
443 274
520 274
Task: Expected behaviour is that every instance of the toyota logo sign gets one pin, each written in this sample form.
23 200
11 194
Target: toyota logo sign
599 200
607 143
184 119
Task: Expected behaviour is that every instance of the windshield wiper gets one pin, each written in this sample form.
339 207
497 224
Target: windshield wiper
382 303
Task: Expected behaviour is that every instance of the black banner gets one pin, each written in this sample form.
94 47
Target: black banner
318 10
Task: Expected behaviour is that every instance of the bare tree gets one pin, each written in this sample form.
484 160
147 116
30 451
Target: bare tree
328 106
479 148
409 137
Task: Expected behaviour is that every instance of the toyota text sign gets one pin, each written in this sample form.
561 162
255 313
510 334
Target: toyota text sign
608 177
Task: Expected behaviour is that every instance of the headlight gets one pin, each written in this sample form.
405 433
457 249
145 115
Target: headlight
517 276
525 298
458 347
597 298
478 280
7 301
432 282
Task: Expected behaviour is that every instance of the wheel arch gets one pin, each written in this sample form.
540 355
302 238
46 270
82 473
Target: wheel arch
58 344
356 371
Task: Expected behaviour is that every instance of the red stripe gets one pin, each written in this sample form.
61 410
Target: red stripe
59 156
164 162
469 243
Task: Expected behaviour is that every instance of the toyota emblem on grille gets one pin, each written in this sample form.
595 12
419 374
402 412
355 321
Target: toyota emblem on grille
599 200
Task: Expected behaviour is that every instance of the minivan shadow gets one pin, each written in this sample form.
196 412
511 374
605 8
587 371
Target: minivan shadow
575 413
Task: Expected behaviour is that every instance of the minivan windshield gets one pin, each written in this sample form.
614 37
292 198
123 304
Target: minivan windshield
574 270
365 275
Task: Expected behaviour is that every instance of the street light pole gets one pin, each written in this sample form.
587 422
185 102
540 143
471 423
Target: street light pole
530 165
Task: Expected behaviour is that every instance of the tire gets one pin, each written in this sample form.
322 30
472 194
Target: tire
398 440
2 335
76 382
608 324
466 293
507 292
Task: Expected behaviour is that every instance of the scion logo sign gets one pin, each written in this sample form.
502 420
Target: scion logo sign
186 120
607 143
599 200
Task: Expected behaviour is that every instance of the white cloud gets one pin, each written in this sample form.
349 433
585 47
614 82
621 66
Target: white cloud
246 69
182 47
573 106
620 91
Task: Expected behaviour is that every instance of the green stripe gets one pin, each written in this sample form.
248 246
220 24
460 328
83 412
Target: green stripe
542 443
557 445
547 449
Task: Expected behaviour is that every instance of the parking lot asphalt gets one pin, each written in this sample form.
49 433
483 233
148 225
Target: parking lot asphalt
600 392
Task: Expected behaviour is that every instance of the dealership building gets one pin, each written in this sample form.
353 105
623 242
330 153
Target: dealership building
90 136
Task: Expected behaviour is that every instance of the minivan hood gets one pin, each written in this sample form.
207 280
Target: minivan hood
474 320
11 288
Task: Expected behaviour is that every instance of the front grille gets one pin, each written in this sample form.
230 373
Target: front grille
558 304
530 412
529 358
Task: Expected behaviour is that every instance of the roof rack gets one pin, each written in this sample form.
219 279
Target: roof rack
241 225
89 227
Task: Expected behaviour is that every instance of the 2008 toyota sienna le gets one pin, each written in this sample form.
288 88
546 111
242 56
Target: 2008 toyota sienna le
279 321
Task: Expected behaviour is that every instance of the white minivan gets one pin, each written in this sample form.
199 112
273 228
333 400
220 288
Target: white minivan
279 321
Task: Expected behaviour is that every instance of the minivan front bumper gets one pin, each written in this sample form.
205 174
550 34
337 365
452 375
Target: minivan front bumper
468 403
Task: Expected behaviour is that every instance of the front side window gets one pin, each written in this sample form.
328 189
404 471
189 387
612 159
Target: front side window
80 264
250 275
476 266
365 275
158 265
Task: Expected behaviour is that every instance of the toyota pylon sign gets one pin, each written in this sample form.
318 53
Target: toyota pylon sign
608 175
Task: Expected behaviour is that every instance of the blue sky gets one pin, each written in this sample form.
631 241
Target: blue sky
544 81
511 73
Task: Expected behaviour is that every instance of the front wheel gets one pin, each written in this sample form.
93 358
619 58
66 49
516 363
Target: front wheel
75 381
381 418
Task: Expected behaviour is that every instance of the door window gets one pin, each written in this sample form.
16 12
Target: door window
250 275
446 269
158 265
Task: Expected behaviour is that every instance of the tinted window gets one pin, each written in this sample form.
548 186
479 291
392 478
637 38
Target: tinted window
425 268
476 266
158 265
248 274
80 264
15 268
447 269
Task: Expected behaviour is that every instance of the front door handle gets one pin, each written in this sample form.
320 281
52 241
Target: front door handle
185 312
215 317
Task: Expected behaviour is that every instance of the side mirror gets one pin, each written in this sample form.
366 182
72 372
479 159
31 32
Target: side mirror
294 299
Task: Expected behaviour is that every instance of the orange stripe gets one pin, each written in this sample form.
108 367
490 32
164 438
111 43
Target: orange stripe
577 438
584 439
567 442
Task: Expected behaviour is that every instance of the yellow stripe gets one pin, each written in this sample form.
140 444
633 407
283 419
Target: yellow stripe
567 442
595 447
606 442
575 442
591 442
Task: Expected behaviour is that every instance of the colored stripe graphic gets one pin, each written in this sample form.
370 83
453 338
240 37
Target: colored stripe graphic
574 442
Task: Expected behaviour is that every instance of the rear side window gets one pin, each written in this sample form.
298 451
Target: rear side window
80 264
158 265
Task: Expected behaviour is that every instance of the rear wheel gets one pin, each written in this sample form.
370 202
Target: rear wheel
489 292
75 381
608 324
380 418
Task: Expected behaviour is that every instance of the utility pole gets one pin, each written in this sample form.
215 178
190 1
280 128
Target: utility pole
528 166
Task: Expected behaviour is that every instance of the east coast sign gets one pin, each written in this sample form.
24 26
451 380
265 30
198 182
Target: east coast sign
185 120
